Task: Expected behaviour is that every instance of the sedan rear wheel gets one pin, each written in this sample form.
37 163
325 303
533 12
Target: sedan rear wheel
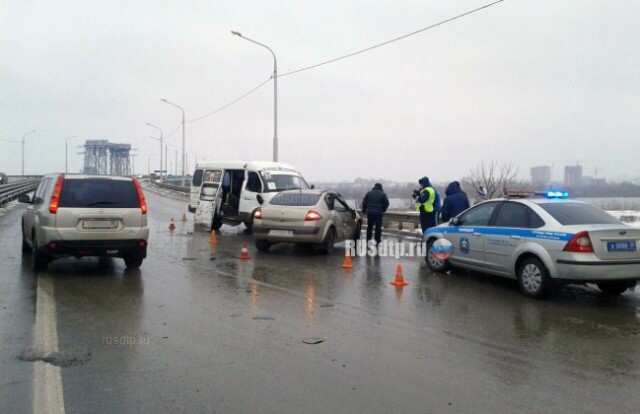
263 245
327 244
533 278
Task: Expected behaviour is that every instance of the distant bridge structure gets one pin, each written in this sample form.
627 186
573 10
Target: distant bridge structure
105 158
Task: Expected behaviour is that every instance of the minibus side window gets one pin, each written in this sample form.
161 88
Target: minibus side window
197 178
253 183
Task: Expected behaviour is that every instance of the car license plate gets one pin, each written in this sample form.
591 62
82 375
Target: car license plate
99 224
621 246
281 233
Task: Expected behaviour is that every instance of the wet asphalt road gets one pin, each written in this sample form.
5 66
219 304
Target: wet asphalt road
197 330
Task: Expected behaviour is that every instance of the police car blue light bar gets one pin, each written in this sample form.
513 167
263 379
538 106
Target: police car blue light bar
557 194
547 194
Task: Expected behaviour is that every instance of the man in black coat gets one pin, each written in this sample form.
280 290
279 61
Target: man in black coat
455 202
374 205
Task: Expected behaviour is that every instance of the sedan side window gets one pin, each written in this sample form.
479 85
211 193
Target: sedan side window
512 215
330 200
339 206
478 216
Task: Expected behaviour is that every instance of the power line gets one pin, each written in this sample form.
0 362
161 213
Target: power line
230 103
174 131
331 61
394 40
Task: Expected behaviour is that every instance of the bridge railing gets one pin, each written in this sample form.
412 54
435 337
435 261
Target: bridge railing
11 191
173 187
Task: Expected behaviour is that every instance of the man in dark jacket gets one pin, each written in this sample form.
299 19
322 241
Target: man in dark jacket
455 202
375 203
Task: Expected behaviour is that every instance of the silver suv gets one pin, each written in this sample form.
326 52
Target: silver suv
85 215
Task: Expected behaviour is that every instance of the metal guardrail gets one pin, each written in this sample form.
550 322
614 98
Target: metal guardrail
11 191
16 178
172 187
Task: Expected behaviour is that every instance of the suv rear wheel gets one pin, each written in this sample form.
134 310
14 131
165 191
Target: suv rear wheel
39 261
133 260
26 249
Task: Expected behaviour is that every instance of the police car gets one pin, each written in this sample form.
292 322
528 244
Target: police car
539 239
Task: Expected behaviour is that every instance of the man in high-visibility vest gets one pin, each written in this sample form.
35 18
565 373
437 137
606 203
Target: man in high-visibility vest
425 199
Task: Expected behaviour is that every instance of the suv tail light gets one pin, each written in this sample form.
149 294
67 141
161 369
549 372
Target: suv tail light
258 214
312 215
55 197
143 202
580 243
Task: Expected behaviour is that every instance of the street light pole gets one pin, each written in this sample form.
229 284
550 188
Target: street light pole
66 154
161 138
275 93
23 137
184 183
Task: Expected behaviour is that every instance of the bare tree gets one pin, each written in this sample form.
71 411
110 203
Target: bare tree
495 177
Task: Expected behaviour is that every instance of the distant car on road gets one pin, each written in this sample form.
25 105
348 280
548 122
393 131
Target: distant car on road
85 215
308 216
540 240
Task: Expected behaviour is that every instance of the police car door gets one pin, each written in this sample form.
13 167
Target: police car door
468 237
511 228
209 197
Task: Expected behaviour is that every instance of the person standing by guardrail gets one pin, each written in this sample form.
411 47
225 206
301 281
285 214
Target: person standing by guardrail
455 202
374 205
425 198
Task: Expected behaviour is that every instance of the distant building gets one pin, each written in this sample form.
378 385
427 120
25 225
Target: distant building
105 158
540 176
573 175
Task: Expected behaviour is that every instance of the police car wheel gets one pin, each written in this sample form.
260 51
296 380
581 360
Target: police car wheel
533 278
436 265
613 288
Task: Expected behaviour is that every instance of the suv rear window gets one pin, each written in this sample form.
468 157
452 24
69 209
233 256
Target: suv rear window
568 214
295 199
99 193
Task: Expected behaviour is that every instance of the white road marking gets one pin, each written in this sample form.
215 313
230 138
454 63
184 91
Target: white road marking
47 382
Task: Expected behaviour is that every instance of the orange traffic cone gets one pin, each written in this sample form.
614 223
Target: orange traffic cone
172 226
184 217
244 253
347 264
212 238
399 280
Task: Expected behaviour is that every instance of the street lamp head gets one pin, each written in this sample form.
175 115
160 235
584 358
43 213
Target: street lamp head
163 100
233 32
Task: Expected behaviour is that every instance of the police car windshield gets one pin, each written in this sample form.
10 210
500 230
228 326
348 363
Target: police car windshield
568 213
275 182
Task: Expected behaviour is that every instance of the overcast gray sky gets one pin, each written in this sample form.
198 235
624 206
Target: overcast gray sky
534 82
